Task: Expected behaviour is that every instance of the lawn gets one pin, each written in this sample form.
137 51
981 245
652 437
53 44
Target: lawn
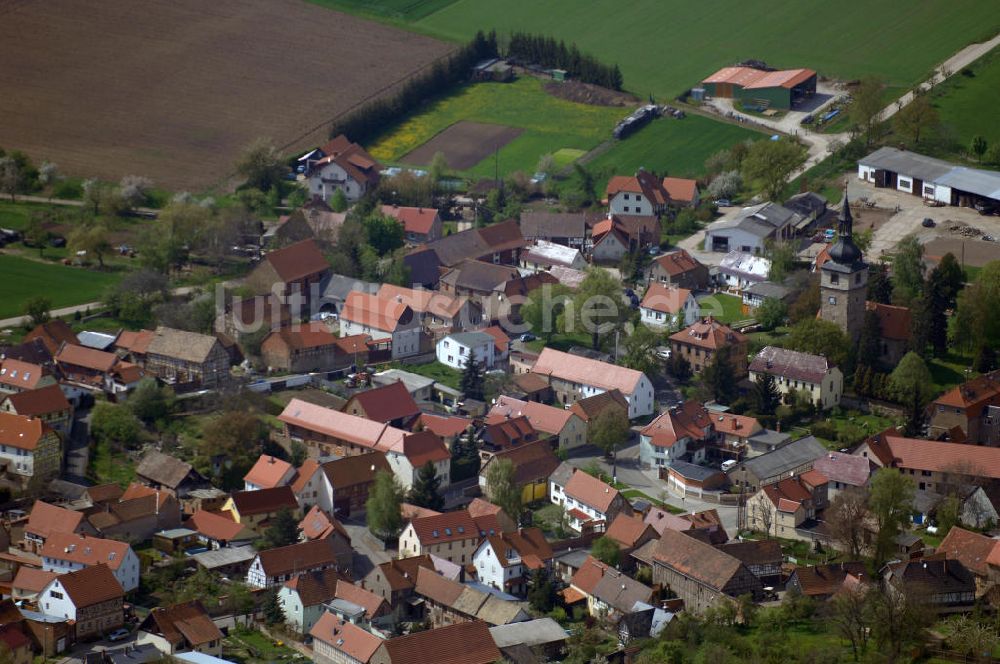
551 125
561 341
967 106
250 647
671 147
949 371
22 279
666 46
723 307
391 10
108 467
439 372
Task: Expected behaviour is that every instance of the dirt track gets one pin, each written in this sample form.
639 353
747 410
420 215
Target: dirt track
173 90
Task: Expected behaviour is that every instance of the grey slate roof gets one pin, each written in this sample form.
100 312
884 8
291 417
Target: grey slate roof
181 344
336 287
907 163
553 224
767 289
787 458
621 592
540 631
470 339
791 364
693 471
760 220
98 340
562 474
229 555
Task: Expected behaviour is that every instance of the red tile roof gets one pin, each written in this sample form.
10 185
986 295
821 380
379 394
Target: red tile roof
506 432
686 421
445 426
346 637
735 425
750 78
585 371
185 625
461 643
974 395
85 550
314 334
135 342
547 419
667 299
435 303
788 494
677 262
973 460
386 403
23 433
315 587
373 605
297 261
525 541
590 573
91 585
46 519
628 530
53 334
378 313
533 461
708 333
681 189
844 468
32 580
301 556
424 447
500 339
88 358
215 526
268 472
642 182
264 501
350 428
972 549
895 321
414 219
450 527
591 491
317 524
22 375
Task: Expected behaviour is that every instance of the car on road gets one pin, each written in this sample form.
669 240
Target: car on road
928 222
663 353
722 202
728 465
118 634
654 251
527 336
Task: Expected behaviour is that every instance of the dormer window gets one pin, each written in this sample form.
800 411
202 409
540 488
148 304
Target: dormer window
834 278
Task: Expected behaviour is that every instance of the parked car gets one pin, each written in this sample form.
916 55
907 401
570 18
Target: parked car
118 634
57 241
527 336
728 465
928 222
722 202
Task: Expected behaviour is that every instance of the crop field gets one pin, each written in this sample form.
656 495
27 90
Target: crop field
672 147
21 279
464 144
174 90
666 46
548 125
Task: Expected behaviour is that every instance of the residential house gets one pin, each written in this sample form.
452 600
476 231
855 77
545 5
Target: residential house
461 643
47 404
668 307
383 319
680 433
268 473
534 462
679 268
932 465
53 334
29 582
447 427
739 271
340 486
683 192
762 557
18 376
218 532
699 343
244 316
86 367
187 359
448 602
700 574
312 346
977 552
91 597
343 166
389 404
895 323
275 566
755 295
780 508
30 451
499 244
802 373
414 452
944 586
609 592
317 524
633 232
689 479
302 598
752 228
507 560
341 642
630 532
497 289
786 461
479 507
458 348
590 503
395 580
336 288
563 425
67 552
453 536
610 243
542 256
541 635
967 413
643 194
46 519
420 224
589 408
735 434
574 378
136 515
823 582
566 228
184 627
364 606
439 313
504 434
846 472
256 508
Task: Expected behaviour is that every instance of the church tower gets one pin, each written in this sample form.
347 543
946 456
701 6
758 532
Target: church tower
844 280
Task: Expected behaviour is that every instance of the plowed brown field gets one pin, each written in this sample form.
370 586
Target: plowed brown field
174 90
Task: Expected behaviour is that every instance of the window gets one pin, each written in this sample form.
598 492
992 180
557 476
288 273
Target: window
832 300
55 595
834 278
857 278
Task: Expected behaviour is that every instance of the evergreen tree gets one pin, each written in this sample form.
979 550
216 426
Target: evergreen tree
472 383
273 615
911 385
282 531
679 367
868 342
766 395
986 359
879 283
383 506
719 377
426 488
936 296
502 488
952 278
541 592
908 269
606 550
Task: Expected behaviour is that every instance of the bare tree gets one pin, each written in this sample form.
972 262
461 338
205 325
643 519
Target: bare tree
762 514
11 177
134 190
898 616
845 519
850 613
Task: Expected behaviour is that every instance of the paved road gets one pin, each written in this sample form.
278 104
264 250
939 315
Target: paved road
144 211
78 450
368 551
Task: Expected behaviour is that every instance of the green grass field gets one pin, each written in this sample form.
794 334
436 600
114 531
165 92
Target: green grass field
551 125
968 105
671 147
22 279
723 307
667 46
392 10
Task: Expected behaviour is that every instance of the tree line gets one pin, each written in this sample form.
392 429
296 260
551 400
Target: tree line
547 52
367 121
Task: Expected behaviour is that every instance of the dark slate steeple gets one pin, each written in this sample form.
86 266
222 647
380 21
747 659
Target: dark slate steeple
845 252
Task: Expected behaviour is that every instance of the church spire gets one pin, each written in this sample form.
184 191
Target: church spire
845 252
845 218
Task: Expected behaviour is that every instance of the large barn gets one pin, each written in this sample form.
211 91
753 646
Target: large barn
933 179
781 89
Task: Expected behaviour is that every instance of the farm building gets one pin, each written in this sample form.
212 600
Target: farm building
934 179
781 89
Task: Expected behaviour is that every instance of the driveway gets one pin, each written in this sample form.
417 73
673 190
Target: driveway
78 449
368 550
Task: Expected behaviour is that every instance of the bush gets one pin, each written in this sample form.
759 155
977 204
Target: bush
824 429
68 189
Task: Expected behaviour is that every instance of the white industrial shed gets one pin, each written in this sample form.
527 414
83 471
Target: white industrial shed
933 179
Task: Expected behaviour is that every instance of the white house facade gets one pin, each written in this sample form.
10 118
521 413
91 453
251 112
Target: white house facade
328 178
455 350
405 337
127 572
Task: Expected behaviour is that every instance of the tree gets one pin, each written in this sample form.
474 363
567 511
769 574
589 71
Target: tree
438 168
985 360
93 239
640 350
502 488
935 303
679 368
916 117
606 550
472 383
770 163
969 637
541 591
879 283
889 501
719 377
849 612
282 531
911 385
385 234
544 310
48 175
726 185
782 256
150 402
771 313
11 177
766 395
908 269
978 147
426 488
868 343
948 514
261 165
609 430
976 322
845 519
952 278
338 201
134 190
298 453
807 304
36 234
385 520
866 109
598 304
114 424
821 337
273 613
37 310
898 617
